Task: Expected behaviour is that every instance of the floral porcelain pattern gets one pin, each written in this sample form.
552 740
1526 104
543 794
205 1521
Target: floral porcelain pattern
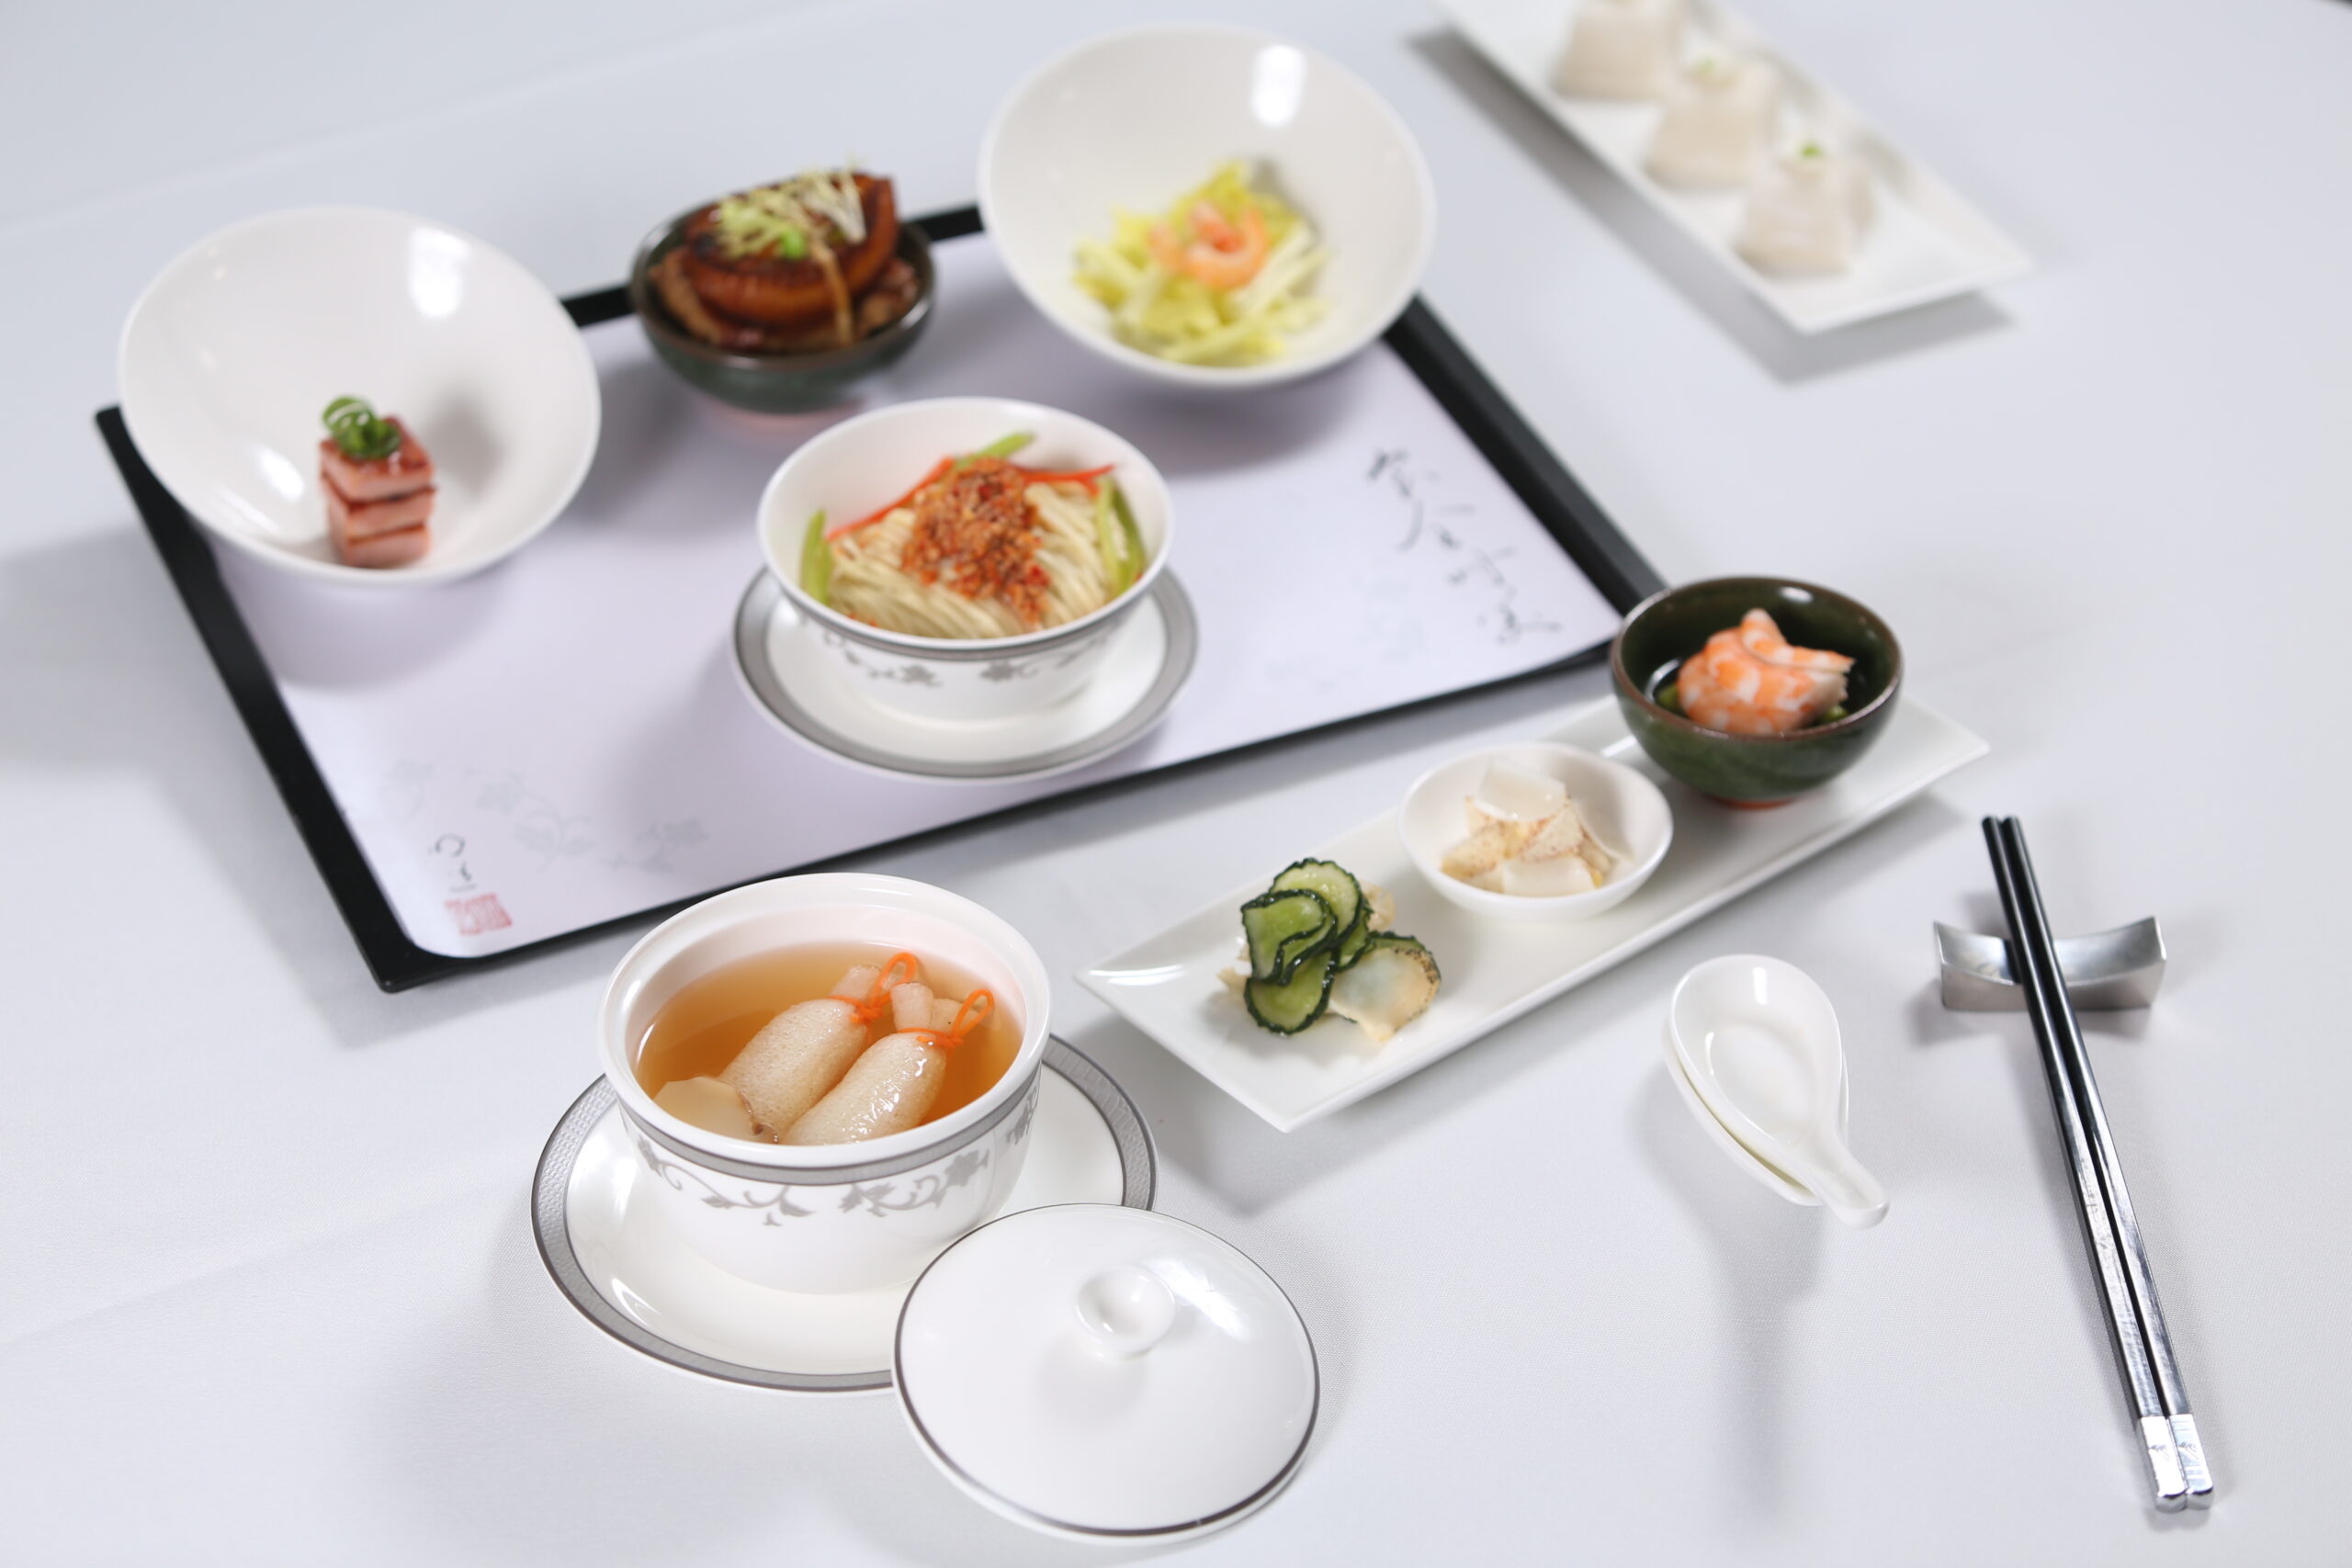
848 1234
927 1189
968 685
924 1188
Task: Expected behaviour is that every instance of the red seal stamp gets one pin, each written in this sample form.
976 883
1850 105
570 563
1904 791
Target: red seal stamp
478 914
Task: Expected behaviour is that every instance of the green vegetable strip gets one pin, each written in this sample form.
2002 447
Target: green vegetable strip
1107 540
817 562
1003 447
1130 553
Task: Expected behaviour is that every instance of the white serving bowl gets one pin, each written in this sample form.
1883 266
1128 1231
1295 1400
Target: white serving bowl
234 351
1133 119
1620 806
831 1217
865 463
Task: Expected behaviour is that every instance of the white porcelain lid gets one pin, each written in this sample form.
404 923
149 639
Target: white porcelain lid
1103 1371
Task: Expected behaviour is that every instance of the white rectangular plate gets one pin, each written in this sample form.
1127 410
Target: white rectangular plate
1926 243
1166 986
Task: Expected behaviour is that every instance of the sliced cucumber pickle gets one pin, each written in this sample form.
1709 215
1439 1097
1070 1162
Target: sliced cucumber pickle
1390 986
1339 889
1287 1009
1283 928
1410 945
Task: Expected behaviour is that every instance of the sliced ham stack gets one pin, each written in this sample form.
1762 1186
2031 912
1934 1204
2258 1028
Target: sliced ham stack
378 509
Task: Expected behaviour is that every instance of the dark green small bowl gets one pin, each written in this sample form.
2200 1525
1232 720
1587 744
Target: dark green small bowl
776 383
1753 770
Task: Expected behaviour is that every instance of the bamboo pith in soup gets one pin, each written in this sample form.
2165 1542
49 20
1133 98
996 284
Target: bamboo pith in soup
779 1033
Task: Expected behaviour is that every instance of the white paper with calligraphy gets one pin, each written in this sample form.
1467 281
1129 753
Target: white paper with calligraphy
563 741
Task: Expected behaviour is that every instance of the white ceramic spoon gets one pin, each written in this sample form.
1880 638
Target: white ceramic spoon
1758 1041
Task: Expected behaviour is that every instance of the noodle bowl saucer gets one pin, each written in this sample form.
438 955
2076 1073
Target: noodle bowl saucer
790 675
860 465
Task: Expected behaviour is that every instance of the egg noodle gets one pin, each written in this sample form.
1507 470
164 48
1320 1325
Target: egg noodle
980 548
869 584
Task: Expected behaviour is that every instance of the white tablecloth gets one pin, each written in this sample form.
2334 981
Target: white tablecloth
269 1294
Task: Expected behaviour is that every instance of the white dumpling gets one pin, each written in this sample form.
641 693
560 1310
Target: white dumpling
1621 48
1808 212
1719 117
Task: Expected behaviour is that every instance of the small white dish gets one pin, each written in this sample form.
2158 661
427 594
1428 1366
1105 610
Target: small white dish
618 1259
781 661
1619 806
862 465
1925 243
1167 983
1757 1040
234 351
1740 1153
1106 1375
1133 119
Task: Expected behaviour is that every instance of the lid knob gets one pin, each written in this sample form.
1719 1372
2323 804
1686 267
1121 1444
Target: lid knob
1125 1309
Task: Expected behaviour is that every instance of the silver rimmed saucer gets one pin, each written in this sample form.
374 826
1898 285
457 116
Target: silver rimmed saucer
1151 656
631 1275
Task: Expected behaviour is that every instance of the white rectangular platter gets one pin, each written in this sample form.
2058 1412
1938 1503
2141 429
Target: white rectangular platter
1166 984
1925 244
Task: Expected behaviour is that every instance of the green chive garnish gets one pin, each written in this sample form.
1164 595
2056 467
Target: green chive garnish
362 433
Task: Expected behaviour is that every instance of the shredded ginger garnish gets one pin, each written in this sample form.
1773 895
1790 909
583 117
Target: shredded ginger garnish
786 215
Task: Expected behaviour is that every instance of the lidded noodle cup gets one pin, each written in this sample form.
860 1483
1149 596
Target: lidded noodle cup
964 591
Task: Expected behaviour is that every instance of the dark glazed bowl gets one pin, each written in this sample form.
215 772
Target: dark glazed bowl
776 383
1753 770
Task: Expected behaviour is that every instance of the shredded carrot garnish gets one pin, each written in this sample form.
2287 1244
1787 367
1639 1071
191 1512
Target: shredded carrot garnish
1086 477
1077 475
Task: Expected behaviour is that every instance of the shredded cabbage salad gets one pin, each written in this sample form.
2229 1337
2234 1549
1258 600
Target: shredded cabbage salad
1220 278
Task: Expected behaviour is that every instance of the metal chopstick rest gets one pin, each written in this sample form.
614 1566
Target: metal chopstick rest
2178 1471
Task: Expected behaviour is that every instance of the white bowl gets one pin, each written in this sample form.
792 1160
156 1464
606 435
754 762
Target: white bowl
1620 806
865 463
1135 118
831 1217
234 351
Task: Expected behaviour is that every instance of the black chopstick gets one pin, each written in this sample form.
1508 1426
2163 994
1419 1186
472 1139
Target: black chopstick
2177 1470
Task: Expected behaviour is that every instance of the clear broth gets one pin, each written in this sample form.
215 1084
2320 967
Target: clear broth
696 1032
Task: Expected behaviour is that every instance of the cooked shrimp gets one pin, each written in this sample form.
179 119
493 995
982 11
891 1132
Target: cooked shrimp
1760 635
894 1085
1220 254
1749 680
802 1052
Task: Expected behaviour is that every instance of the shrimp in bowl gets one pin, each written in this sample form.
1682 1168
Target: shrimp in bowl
1749 680
1755 689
